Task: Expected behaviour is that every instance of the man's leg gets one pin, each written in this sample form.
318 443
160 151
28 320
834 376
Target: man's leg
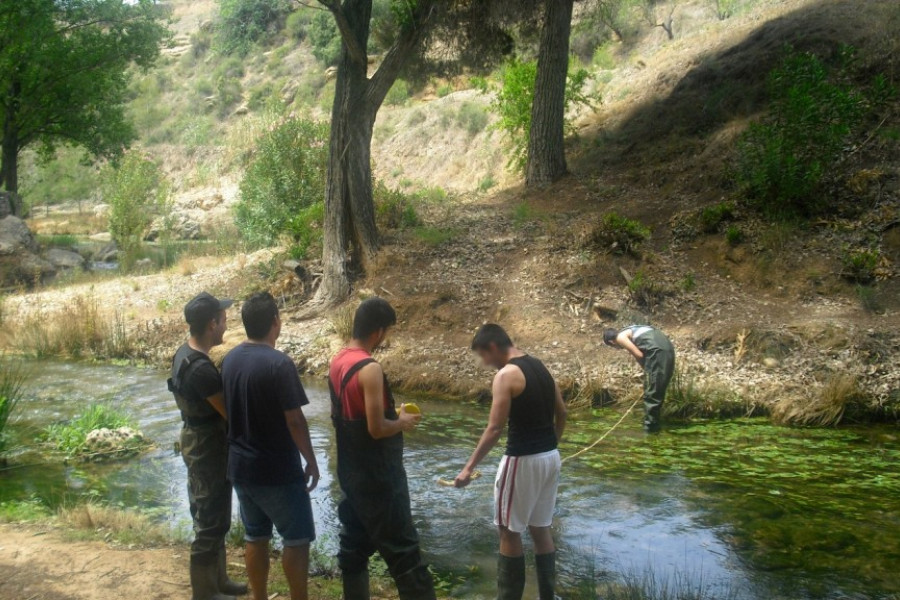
510 566
256 557
295 562
353 555
545 561
654 393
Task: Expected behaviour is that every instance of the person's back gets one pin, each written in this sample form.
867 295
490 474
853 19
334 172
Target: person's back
532 413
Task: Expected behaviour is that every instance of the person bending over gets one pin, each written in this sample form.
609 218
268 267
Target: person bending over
267 436
656 355
375 511
527 398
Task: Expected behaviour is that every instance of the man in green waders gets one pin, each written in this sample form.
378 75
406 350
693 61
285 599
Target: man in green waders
197 387
375 512
655 353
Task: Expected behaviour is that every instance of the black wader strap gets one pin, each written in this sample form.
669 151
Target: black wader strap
337 398
190 362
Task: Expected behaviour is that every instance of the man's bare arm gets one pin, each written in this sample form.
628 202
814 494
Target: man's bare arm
217 401
299 428
371 378
500 406
561 413
624 340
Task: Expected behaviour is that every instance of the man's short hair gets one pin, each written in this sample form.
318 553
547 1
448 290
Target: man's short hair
203 309
610 336
373 314
258 314
491 333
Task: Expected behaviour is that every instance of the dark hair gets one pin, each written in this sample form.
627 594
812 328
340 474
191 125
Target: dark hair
258 314
491 333
198 329
373 315
609 337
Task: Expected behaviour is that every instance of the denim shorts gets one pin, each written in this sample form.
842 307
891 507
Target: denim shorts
286 506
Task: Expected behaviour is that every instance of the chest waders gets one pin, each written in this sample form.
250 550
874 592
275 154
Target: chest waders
375 511
204 449
659 366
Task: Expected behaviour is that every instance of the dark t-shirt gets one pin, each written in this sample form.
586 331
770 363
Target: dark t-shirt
532 413
261 383
199 382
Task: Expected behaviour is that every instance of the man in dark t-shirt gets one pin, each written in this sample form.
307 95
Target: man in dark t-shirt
267 435
525 397
197 387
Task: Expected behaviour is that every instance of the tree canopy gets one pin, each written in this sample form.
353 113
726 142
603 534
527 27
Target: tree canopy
64 73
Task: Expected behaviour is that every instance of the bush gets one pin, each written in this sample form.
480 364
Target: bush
645 292
297 24
472 117
324 38
244 22
783 160
618 234
11 380
398 94
282 192
444 90
733 235
860 265
135 190
393 208
513 100
712 217
70 437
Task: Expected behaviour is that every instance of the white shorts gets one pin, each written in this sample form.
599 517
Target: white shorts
525 491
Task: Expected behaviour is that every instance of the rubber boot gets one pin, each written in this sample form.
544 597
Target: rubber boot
416 585
356 585
226 585
546 575
510 577
204 581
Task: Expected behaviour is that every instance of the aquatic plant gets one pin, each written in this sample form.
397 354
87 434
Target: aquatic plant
71 437
11 379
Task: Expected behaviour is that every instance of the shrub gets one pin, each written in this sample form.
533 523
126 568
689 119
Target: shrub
645 292
733 235
243 22
398 94
689 398
444 90
688 283
868 298
324 38
70 437
486 183
297 24
11 380
618 234
393 208
472 117
603 58
783 159
860 265
513 104
712 217
135 190
283 187
434 236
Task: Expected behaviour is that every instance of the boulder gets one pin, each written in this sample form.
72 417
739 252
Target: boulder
64 259
19 262
108 253
104 442
184 225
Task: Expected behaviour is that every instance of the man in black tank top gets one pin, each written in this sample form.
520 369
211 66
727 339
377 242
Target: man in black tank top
525 397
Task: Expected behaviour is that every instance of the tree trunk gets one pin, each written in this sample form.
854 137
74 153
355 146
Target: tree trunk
546 140
9 150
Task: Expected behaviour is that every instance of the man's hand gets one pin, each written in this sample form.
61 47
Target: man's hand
464 478
312 476
408 421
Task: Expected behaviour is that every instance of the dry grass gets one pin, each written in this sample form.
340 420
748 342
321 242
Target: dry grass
124 526
691 397
342 321
820 407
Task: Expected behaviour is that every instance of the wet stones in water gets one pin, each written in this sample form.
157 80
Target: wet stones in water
101 444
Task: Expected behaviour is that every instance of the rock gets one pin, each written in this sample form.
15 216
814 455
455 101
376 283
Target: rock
243 109
19 262
101 210
9 204
771 363
183 225
330 73
108 253
101 237
64 259
110 442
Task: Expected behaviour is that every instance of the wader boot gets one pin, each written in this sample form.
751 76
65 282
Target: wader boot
226 585
416 585
546 575
510 577
204 581
356 585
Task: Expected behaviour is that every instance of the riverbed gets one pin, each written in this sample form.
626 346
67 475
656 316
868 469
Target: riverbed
736 509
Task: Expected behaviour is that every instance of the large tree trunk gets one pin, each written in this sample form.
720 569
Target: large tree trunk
546 140
9 149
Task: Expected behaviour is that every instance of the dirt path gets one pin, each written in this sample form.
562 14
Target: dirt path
40 564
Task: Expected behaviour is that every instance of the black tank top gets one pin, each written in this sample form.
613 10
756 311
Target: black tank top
531 414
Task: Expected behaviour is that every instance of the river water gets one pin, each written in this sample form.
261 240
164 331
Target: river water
737 509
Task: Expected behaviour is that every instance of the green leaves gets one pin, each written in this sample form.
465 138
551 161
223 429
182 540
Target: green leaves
136 190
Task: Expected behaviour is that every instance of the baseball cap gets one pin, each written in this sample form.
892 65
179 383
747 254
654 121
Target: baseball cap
203 308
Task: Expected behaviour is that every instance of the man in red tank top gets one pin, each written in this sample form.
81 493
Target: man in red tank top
375 511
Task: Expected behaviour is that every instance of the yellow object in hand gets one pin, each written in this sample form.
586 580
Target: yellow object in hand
411 408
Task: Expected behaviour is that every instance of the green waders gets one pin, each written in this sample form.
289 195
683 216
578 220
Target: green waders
205 453
375 511
659 366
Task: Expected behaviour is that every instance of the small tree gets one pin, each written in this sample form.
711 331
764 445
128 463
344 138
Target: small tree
616 15
650 8
136 190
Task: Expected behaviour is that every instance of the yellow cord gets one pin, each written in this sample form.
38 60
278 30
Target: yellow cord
603 437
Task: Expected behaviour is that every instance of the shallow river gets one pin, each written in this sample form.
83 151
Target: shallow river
737 509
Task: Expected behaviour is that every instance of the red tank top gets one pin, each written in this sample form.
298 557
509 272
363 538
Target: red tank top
353 403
